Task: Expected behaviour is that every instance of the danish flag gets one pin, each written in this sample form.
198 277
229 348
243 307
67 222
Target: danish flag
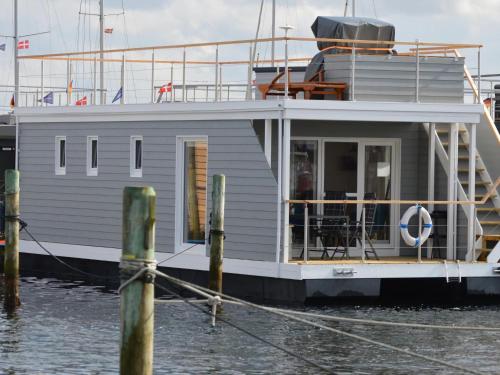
23 44
82 101
166 88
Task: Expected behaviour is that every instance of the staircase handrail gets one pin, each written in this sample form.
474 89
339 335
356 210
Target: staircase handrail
475 91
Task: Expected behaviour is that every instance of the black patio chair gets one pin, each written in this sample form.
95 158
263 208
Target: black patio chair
356 229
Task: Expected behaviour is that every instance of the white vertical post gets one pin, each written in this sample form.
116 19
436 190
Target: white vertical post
273 34
101 48
172 92
153 76
452 191
220 83
431 177
68 81
479 75
184 94
286 186
471 225
279 194
287 75
417 72
216 84
363 234
16 60
41 83
353 69
419 235
122 80
268 133
306 232
94 98
248 95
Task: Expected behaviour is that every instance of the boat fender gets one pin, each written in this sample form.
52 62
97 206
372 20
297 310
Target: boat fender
403 225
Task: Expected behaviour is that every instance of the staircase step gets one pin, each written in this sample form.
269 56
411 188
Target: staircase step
466 170
445 131
489 222
488 209
478 183
460 144
480 196
465 157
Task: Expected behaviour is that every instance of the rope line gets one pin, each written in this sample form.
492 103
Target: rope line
319 325
251 334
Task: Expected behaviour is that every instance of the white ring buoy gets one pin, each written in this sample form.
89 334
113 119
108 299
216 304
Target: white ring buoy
403 225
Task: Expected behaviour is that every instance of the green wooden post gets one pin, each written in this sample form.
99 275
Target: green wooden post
217 235
137 299
11 258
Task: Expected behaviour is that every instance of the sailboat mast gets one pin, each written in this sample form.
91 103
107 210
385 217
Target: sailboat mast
273 28
101 47
353 8
16 55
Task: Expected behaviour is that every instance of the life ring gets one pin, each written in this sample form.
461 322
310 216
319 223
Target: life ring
403 225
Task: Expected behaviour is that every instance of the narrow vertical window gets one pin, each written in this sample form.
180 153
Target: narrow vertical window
191 182
136 156
92 156
60 155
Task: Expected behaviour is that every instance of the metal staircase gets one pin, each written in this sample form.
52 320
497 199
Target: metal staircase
488 215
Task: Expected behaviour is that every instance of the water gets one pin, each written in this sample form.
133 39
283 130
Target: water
73 328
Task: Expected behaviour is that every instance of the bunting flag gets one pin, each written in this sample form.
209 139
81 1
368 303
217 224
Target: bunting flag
487 102
12 102
49 98
166 88
109 30
69 90
82 101
23 44
2 47
118 95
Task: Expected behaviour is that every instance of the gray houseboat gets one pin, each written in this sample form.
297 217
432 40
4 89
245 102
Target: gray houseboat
321 164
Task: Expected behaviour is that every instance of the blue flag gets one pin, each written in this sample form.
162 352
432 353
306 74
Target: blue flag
49 98
118 95
2 47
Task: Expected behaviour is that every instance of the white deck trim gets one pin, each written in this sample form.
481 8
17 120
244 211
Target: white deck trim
197 260
331 110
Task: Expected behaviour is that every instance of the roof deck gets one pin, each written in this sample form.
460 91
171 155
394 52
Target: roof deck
359 70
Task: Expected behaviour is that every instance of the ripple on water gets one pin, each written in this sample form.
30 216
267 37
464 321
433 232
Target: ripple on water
73 328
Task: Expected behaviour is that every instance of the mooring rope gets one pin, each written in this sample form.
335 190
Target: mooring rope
247 332
319 325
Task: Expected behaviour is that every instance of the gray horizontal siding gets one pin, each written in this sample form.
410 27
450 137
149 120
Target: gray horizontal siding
81 210
393 78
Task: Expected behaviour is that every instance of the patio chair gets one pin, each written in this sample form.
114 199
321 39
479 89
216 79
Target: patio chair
356 230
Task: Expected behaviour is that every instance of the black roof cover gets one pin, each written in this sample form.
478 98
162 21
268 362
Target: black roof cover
352 28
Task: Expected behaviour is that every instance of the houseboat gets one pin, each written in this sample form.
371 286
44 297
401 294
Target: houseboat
323 155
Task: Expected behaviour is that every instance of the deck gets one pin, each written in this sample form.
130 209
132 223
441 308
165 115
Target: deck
384 260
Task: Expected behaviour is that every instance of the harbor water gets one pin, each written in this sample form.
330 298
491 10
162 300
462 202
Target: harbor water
68 327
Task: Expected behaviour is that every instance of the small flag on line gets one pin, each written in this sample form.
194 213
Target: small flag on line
108 30
82 101
69 90
118 95
487 102
2 47
12 102
166 88
23 44
49 98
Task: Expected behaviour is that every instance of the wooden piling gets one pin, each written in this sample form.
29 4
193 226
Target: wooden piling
137 299
217 233
11 257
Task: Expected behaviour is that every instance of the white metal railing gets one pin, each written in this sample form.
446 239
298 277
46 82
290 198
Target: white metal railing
218 66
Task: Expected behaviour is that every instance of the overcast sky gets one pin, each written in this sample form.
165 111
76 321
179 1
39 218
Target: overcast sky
153 22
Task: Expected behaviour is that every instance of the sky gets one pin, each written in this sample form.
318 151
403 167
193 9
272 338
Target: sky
159 22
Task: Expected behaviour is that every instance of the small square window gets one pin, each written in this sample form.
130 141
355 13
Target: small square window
60 155
136 143
92 156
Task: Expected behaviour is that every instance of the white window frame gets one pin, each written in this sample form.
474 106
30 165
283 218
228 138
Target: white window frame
60 171
180 245
136 172
92 171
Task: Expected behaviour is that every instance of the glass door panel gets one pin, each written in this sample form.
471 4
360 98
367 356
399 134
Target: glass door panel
377 185
303 183
340 176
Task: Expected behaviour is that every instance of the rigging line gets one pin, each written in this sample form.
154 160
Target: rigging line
247 332
77 270
125 29
374 8
176 254
322 326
